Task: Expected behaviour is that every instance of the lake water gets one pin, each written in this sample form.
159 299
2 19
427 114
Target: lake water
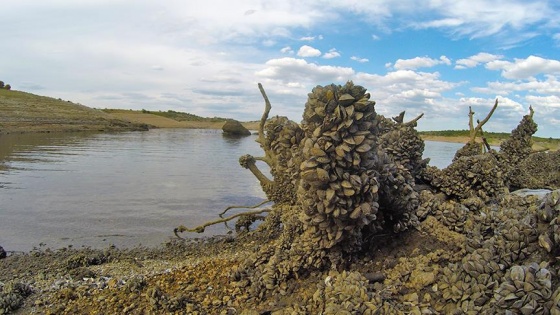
126 189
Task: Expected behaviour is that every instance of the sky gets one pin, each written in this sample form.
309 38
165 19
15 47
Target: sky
434 57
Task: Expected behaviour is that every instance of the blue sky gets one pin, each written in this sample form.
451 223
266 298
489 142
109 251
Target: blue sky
206 57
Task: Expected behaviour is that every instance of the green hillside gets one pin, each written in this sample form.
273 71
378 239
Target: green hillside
26 112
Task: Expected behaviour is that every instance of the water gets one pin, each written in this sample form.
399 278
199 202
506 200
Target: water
126 189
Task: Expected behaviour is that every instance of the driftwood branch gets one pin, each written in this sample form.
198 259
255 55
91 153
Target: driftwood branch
263 159
474 130
242 207
471 126
248 161
400 118
264 117
486 144
415 120
201 228
485 120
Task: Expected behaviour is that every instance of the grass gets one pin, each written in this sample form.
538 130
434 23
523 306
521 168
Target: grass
494 138
27 112
178 116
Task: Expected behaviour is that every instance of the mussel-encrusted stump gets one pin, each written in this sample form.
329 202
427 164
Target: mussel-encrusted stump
337 179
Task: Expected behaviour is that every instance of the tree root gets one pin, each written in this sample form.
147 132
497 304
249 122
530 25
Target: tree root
201 228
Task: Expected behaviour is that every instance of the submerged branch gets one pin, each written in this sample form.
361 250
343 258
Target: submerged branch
201 228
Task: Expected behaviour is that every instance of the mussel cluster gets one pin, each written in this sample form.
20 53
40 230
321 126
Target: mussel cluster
339 188
350 173
538 170
469 176
348 179
346 185
282 141
12 295
403 143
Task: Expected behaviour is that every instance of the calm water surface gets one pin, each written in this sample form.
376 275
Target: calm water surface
126 189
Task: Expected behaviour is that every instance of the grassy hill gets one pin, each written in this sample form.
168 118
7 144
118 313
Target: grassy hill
494 138
26 112
172 119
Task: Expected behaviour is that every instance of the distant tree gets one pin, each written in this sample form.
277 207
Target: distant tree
1 84
8 87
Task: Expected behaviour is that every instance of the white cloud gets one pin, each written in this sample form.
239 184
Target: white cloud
420 62
525 68
550 101
308 51
292 69
479 18
331 54
163 55
307 38
287 50
549 86
475 60
358 59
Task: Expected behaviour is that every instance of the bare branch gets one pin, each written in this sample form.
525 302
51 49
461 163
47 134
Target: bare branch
415 120
248 161
242 207
264 116
263 159
400 118
201 228
474 130
486 144
471 127
485 120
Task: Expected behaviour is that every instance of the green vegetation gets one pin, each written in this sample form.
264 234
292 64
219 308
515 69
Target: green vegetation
494 138
178 116
5 86
27 112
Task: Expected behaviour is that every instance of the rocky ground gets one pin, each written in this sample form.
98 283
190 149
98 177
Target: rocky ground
428 270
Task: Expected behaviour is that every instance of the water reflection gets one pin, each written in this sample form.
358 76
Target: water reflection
72 189
127 188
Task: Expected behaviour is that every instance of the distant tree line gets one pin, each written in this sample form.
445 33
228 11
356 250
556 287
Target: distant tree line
5 86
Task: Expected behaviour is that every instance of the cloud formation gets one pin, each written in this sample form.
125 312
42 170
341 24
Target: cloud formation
206 57
308 51
420 62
